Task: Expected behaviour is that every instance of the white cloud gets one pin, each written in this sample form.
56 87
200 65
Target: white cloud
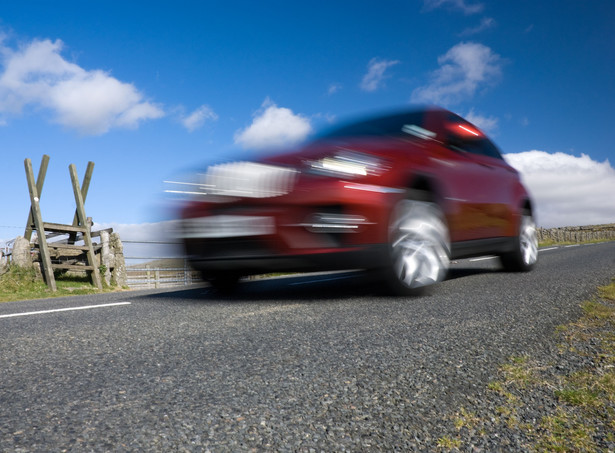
485 24
334 88
567 190
488 124
274 127
461 5
91 102
375 73
464 69
146 232
197 118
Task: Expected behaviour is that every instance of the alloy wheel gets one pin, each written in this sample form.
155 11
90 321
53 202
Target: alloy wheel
419 244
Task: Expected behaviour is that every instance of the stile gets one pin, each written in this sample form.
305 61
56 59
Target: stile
81 226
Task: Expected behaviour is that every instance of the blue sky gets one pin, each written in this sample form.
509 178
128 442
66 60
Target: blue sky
148 90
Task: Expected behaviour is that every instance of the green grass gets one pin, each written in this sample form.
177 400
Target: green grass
22 284
448 443
607 292
565 432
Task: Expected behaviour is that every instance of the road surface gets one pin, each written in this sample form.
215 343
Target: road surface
309 363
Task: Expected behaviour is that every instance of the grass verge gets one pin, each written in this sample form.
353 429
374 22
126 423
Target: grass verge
564 404
21 284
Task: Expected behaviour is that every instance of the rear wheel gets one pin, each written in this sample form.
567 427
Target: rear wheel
525 253
419 247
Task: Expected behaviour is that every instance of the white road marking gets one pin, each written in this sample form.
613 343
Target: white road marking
42 312
550 248
573 245
484 258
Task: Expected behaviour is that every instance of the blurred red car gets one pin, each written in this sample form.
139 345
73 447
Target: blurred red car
399 194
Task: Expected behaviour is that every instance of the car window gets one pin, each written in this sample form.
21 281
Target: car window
484 147
475 145
391 125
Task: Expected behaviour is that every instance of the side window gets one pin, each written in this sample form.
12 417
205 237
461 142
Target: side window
473 143
396 125
489 149
483 147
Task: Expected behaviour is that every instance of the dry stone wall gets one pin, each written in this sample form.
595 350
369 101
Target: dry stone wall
577 234
112 257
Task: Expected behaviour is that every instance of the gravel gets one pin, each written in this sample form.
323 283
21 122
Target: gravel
291 364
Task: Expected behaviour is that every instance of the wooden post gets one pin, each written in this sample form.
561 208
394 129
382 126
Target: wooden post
87 239
40 180
85 186
35 212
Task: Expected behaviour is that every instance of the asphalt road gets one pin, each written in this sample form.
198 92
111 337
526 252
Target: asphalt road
310 363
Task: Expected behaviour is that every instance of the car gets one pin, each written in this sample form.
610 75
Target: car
399 194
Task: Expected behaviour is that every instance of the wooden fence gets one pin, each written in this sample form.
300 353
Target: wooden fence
158 270
154 276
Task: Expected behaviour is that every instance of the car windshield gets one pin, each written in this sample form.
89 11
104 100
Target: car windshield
391 125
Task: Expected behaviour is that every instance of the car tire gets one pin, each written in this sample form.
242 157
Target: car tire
524 255
419 247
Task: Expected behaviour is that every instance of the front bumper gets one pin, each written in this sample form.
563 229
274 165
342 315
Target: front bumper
329 226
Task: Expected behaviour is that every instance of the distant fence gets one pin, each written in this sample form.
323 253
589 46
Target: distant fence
160 271
149 276
577 234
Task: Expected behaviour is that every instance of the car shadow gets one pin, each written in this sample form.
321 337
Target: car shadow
304 288
461 272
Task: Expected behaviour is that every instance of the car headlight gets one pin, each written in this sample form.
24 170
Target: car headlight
348 163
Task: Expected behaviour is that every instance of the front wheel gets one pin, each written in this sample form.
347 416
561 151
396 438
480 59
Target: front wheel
525 253
419 247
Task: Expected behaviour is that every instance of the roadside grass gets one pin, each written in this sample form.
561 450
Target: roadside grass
21 284
564 406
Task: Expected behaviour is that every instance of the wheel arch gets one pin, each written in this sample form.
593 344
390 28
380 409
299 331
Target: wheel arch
527 207
424 188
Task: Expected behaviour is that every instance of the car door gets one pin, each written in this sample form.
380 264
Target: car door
475 180
498 184
465 183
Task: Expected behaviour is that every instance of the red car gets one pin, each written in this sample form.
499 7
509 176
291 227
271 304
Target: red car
400 194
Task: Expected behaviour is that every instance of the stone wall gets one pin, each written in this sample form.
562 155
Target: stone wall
577 234
112 258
